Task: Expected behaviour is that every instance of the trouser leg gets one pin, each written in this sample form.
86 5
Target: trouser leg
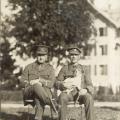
42 97
42 93
63 101
87 100
39 110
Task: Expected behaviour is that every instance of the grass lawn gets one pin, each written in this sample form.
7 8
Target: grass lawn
103 113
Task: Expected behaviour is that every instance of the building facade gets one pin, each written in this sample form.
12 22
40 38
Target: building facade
104 56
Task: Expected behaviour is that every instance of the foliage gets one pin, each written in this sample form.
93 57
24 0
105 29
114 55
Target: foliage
102 90
55 23
108 98
51 22
11 96
6 61
106 94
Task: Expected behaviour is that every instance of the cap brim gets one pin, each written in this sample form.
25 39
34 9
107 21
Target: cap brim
73 53
39 53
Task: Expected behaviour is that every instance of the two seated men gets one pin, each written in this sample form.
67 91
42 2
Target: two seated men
73 80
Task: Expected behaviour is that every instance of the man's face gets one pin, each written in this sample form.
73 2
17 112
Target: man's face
74 58
41 58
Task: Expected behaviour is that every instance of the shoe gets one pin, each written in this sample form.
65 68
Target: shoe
54 115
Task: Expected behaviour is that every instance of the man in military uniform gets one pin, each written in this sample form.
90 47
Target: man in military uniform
75 84
38 78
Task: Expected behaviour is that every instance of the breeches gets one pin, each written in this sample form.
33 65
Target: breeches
41 97
36 91
87 100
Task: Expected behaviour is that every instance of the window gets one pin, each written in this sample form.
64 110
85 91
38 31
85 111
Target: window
89 68
118 32
103 31
87 51
95 50
103 69
95 70
104 49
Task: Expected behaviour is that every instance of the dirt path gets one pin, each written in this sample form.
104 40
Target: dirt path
96 104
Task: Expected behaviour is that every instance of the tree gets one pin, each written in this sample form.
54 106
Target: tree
6 62
51 22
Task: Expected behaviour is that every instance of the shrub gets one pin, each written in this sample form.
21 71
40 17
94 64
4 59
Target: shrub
106 94
104 90
6 95
109 98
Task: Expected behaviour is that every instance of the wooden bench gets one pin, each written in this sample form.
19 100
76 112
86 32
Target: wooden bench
52 114
70 104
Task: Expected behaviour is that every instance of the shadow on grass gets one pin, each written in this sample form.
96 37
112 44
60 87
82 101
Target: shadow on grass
111 108
6 116
20 116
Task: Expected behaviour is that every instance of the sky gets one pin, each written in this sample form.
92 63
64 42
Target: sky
4 10
103 4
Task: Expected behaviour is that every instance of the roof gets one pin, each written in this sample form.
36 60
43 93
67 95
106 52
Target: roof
105 17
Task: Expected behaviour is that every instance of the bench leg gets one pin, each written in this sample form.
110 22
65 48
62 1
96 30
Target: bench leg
28 115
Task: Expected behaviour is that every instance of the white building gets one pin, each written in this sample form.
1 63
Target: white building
104 57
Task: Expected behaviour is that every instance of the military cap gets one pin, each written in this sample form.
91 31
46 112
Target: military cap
42 49
73 49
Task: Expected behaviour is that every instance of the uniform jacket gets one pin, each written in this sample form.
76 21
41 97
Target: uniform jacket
69 71
32 72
